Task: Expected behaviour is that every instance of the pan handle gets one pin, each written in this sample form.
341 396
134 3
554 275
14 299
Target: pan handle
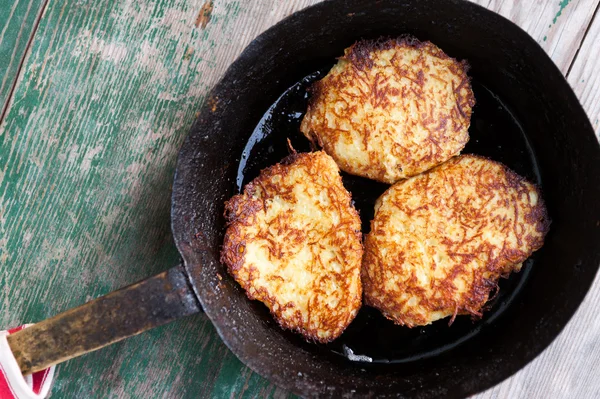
105 320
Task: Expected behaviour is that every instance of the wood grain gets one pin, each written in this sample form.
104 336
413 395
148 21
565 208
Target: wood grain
18 22
584 75
106 94
557 25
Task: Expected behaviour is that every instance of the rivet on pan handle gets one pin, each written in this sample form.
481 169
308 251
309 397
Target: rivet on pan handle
106 320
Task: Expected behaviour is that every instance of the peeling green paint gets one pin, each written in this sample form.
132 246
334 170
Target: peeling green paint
233 9
106 95
562 5
17 21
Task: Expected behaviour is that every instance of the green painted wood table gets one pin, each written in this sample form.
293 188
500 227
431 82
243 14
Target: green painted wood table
96 97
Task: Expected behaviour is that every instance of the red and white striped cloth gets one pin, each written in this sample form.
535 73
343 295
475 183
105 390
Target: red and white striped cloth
13 385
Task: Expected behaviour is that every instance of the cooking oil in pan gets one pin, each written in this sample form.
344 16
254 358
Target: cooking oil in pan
495 132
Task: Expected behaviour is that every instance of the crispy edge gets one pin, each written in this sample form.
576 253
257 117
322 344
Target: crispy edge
474 302
241 210
359 56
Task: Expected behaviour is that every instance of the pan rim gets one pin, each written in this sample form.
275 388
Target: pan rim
182 173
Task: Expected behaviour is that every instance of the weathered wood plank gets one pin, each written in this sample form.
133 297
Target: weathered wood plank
584 75
557 25
88 145
18 21
106 95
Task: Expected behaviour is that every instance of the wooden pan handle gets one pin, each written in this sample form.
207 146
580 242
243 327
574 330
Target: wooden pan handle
103 321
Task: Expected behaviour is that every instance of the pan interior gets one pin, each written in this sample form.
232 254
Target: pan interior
495 132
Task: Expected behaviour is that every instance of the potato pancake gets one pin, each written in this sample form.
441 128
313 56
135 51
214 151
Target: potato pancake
440 241
294 243
391 109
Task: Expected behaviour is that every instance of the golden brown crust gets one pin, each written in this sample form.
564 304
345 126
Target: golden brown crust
293 242
440 241
391 109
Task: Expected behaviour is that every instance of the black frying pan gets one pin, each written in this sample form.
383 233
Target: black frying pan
526 116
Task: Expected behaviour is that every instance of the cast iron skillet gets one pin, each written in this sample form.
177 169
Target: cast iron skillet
526 116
